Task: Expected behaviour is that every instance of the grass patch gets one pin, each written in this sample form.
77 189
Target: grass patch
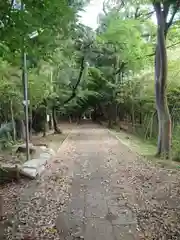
143 147
136 144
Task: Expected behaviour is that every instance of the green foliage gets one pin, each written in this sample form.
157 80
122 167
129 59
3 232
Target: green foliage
126 39
49 33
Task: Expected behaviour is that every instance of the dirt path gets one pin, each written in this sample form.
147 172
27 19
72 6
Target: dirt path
98 189
98 208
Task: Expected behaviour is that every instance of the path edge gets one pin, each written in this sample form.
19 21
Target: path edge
120 140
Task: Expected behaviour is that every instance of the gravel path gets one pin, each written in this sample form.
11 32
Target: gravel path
98 189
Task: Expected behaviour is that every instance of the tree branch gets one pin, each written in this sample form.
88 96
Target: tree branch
176 8
137 14
146 15
104 8
11 3
166 6
120 69
172 45
77 83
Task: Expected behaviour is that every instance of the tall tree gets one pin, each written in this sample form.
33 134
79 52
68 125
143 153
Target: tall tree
163 10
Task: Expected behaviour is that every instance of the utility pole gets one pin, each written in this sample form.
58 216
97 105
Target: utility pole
25 89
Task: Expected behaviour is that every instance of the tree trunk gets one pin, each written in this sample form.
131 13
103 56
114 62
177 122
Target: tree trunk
30 127
44 129
1 207
55 125
109 122
30 123
45 119
110 115
50 122
132 116
164 119
117 113
20 129
79 118
13 121
94 113
140 113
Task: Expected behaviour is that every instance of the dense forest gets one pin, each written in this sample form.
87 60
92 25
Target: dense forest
124 72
